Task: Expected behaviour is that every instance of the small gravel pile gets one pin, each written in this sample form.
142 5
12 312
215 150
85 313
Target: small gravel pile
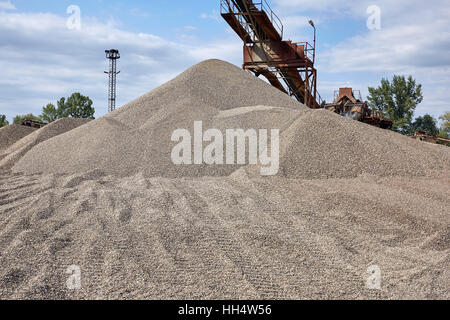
321 144
11 134
21 147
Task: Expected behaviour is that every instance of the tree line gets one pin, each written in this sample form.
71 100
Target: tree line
398 100
75 106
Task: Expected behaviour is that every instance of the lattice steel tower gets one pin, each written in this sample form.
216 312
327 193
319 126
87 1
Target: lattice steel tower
113 55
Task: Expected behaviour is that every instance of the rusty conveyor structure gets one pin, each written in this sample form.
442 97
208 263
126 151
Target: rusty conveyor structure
286 65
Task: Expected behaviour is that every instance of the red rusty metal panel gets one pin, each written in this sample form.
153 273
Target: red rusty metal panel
284 51
346 92
266 26
280 54
300 50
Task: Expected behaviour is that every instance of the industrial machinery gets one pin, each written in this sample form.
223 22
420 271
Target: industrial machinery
347 105
422 136
33 124
286 65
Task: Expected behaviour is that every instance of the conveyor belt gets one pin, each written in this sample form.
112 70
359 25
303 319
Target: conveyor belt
261 30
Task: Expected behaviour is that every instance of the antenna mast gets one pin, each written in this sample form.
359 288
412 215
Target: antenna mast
112 55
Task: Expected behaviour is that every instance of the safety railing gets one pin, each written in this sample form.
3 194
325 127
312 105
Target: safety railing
319 99
309 50
276 21
226 6
230 6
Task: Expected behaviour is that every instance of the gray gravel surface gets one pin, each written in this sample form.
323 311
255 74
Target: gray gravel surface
315 144
322 144
16 151
106 198
223 238
11 134
137 137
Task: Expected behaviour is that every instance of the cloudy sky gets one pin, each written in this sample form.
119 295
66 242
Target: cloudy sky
46 56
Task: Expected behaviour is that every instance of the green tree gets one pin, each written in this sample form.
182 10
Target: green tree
426 124
76 106
3 121
444 134
445 128
397 100
30 116
62 111
49 113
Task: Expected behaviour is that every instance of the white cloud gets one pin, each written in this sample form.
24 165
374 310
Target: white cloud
42 60
214 15
414 39
320 5
293 23
139 13
190 28
7 5
414 34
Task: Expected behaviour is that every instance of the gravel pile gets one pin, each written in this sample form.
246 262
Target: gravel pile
321 144
348 197
137 137
314 144
11 134
24 145
222 238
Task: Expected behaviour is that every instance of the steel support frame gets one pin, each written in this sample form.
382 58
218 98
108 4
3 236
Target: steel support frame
112 85
307 94
299 75
112 55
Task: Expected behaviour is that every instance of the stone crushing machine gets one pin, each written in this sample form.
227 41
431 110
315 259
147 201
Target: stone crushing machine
348 103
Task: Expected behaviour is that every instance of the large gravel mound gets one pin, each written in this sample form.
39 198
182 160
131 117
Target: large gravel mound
314 144
137 137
